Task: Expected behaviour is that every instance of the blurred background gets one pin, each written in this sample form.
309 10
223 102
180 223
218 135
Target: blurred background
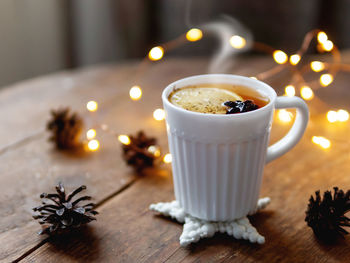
43 36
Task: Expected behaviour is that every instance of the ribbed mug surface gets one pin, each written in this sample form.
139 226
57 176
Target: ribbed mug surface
217 181
218 159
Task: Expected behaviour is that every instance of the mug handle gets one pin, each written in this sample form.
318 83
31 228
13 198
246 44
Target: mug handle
295 133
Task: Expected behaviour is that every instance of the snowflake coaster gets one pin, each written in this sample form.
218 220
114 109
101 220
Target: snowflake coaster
194 228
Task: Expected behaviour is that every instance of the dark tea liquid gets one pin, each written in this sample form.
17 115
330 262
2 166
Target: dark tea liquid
209 98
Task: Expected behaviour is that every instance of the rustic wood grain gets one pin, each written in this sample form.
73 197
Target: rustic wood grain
126 231
30 165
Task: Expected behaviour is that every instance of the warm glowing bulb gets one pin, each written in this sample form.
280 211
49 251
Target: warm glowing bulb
285 116
328 45
159 114
332 116
90 134
322 37
342 115
317 66
290 90
237 42
326 79
124 139
280 57
194 34
154 150
135 93
306 93
92 105
321 141
315 139
167 158
294 59
156 53
93 145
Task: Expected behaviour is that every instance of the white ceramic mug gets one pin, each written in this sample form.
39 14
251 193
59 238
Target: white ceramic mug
218 159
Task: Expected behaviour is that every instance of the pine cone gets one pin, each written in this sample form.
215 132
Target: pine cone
66 128
62 214
326 217
137 154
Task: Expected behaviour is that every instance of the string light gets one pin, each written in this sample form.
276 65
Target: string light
326 79
167 158
285 116
342 115
280 57
238 42
332 116
93 145
317 66
294 59
321 141
154 150
306 93
159 114
156 53
124 139
135 93
92 106
328 45
289 91
322 37
90 134
194 34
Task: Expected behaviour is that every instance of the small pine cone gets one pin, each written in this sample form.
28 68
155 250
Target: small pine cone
326 216
137 153
62 213
66 128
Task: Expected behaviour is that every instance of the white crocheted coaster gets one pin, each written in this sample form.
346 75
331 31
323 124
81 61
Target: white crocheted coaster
194 229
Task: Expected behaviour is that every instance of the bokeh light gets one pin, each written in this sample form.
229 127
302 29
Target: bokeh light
154 150
159 114
156 53
317 66
342 115
238 42
167 158
135 93
322 37
289 90
90 134
92 106
93 145
326 79
328 45
280 57
194 34
321 141
285 116
124 139
294 59
306 93
332 116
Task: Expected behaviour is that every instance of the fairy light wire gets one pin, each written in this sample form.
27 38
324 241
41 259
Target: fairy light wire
280 57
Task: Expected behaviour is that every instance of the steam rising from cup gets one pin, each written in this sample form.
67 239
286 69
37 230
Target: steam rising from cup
224 29
234 38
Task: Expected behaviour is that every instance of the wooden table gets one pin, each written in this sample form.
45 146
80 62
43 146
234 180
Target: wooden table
126 231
